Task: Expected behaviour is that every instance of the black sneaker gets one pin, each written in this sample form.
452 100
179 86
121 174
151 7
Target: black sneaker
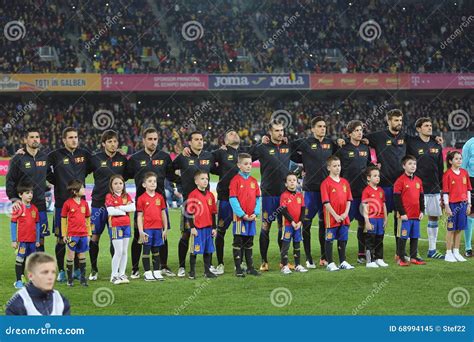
70 284
209 275
192 275
469 253
254 272
240 274
84 282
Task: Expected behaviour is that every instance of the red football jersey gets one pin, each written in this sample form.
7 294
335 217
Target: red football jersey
337 194
201 206
293 202
151 207
76 214
375 200
26 219
409 189
456 186
112 200
246 191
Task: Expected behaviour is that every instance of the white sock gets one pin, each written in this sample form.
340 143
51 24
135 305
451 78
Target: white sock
117 255
432 235
449 252
455 250
124 258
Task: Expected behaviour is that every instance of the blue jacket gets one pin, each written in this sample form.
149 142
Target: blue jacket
43 302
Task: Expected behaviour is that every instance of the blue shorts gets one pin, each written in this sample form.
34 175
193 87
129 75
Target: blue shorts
377 224
224 215
459 219
313 204
270 205
99 218
25 249
203 242
244 228
290 233
410 229
57 222
340 233
388 190
43 221
119 232
78 244
155 237
355 210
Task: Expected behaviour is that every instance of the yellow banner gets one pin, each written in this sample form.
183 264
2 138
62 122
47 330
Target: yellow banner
49 82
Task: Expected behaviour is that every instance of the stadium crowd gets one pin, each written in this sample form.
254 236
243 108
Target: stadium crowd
278 36
176 116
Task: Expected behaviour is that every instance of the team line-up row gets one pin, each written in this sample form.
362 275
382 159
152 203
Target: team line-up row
337 179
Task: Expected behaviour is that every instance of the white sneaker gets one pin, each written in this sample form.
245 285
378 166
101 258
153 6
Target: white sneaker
458 256
381 263
181 272
214 270
135 275
116 281
124 279
372 264
332 267
301 269
449 257
158 276
148 276
93 276
285 270
220 269
310 265
346 266
167 272
243 266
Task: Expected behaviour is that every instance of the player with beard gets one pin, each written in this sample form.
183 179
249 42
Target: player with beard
149 159
429 157
104 165
274 160
30 167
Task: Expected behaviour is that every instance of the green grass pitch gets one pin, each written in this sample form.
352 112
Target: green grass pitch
414 290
